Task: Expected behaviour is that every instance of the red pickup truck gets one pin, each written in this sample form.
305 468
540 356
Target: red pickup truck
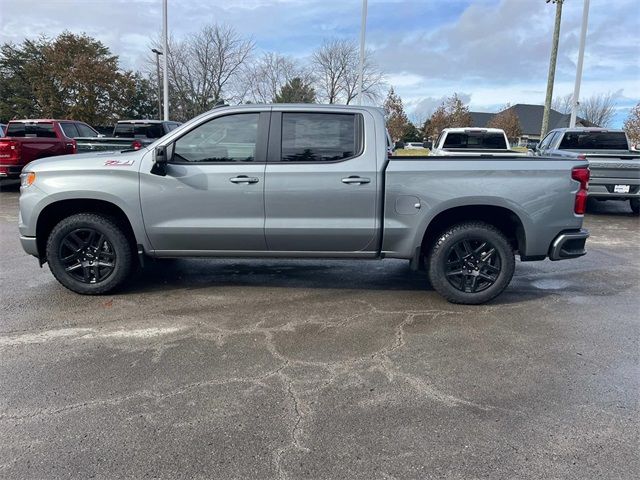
27 140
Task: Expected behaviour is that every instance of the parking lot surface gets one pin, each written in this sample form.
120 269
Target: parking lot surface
323 369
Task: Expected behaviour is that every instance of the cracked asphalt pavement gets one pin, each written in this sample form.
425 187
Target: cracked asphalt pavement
323 369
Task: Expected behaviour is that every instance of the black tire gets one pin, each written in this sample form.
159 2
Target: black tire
490 260
93 243
635 205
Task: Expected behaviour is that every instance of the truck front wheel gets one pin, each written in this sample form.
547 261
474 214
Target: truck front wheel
471 263
89 254
635 205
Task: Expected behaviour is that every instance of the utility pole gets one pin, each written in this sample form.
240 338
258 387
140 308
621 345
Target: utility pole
158 53
165 49
576 89
552 68
363 28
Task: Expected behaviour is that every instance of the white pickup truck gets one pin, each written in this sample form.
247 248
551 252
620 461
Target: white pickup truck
473 141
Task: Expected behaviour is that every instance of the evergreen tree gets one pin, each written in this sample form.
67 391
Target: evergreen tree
296 91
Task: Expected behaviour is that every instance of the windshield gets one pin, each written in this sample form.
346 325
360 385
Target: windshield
594 141
480 140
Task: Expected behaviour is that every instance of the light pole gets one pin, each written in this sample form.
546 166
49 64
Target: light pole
165 49
552 68
158 53
576 89
363 28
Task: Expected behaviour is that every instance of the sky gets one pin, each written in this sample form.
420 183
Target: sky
491 52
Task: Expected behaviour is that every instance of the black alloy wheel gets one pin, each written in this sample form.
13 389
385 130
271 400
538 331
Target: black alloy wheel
90 253
473 265
470 263
87 256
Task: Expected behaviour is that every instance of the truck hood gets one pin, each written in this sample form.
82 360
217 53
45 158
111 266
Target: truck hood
88 161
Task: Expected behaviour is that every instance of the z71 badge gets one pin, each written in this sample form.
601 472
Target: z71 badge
118 163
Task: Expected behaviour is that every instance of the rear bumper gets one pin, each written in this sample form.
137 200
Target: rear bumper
569 244
10 171
29 245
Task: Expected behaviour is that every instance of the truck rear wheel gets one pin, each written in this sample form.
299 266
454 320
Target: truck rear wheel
471 263
635 205
89 254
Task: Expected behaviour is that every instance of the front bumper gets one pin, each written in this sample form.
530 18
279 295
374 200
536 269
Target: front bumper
569 244
29 245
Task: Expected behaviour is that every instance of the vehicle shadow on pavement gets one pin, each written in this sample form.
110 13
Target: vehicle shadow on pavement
387 275
610 207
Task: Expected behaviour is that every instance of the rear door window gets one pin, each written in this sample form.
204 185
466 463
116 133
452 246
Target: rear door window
320 137
69 129
42 129
85 130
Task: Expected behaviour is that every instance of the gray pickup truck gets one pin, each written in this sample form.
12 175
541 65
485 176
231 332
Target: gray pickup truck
615 169
300 181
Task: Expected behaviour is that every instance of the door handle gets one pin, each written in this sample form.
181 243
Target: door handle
244 180
355 180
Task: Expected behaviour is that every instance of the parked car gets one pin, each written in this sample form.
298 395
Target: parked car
615 168
300 181
473 141
27 140
128 134
413 146
2 128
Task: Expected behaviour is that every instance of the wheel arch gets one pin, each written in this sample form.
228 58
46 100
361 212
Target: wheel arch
53 213
502 218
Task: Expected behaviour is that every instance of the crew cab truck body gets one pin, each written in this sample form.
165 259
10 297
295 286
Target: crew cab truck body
300 181
615 168
473 141
28 140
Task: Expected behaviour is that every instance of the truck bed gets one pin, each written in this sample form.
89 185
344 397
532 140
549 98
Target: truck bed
539 190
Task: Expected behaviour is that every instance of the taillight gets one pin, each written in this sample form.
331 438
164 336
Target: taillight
581 174
136 145
9 151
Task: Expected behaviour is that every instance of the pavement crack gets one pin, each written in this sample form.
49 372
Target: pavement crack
296 429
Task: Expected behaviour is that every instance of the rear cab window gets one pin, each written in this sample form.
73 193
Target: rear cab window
478 140
31 130
594 141
138 130
320 137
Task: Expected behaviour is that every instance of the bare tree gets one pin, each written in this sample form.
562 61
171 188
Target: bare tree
272 71
331 63
563 104
632 126
598 109
372 77
206 67
335 64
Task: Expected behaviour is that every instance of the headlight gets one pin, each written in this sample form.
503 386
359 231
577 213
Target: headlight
27 179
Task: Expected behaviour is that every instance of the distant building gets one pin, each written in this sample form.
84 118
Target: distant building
530 117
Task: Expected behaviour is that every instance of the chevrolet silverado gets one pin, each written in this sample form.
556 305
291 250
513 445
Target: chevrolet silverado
615 168
300 181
